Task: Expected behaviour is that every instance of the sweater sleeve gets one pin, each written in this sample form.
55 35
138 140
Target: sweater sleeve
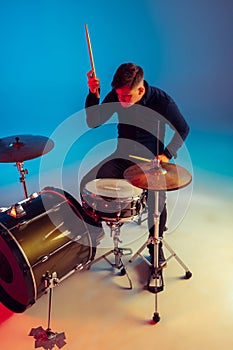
91 100
96 113
181 129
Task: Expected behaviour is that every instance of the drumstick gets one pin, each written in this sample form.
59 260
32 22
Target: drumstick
140 158
91 55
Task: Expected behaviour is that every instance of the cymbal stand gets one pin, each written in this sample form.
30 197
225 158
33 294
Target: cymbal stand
117 251
22 171
46 338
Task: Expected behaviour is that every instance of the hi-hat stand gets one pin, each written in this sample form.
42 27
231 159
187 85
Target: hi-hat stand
46 338
155 269
157 176
116 251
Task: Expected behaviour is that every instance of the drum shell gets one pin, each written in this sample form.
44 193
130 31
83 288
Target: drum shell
51 237
110 208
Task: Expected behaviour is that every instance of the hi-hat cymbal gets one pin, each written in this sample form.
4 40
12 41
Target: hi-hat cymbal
165 177
23 147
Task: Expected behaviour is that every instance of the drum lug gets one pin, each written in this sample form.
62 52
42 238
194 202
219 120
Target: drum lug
25 222
41 260
44 258
56 207
77 238
79 267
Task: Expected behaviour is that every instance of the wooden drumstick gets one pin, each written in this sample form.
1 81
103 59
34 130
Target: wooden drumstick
140 158
91 55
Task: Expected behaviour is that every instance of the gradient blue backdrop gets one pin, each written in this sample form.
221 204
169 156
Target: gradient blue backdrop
184 46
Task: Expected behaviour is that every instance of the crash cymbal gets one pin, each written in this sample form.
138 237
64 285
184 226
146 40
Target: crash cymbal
162 177
23 147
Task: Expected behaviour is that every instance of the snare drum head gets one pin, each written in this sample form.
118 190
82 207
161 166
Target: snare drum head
111 199
113 188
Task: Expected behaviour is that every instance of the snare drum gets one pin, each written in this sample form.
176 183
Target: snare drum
45 233
112 199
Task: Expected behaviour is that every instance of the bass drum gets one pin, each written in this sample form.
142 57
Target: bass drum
47 233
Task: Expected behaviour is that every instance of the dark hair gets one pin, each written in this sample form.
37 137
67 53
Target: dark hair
127 74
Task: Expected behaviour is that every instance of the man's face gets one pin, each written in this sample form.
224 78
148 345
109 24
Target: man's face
129 96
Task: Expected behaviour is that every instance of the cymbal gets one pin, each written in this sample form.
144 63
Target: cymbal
23 147
165 177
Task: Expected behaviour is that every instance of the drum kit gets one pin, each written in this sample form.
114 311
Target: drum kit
50 230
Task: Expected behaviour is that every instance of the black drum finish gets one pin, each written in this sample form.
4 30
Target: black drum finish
45 233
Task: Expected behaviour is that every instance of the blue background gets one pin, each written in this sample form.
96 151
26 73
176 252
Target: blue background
185 48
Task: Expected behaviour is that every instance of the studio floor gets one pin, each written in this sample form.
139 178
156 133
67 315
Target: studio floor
96 309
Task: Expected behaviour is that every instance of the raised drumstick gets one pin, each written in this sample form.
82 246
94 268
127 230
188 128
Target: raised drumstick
91 55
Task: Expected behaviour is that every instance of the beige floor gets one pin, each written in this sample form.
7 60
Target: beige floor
96 310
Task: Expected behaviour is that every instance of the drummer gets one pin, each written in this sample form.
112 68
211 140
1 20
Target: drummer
138 130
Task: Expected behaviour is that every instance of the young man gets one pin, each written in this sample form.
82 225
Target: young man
143 112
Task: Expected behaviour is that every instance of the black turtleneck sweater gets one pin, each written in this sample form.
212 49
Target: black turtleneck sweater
139 124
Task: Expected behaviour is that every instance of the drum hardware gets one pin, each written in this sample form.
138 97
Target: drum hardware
22 179
2 209
139 218
80 267
116 251
16 211
17 149
45 337
157 176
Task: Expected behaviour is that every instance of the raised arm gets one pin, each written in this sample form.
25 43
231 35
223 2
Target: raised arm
96 113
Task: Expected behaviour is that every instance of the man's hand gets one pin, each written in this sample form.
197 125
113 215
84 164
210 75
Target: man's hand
162 158
93 82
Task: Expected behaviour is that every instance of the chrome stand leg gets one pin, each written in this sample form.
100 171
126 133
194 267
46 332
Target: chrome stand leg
117 252
46 338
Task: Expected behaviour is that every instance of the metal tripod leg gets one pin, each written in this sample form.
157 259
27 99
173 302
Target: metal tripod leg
188 273
173 254
139 252
117 252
